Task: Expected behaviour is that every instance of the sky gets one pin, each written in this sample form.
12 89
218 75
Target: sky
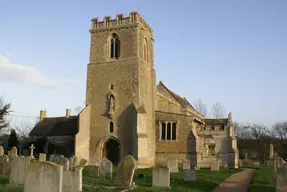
232 52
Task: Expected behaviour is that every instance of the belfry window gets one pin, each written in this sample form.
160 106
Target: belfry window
111 127
115 46
145 50
168 131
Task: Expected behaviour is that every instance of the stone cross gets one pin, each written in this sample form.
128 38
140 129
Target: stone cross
271 151
32 151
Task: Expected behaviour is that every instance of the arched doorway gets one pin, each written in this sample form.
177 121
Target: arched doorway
111 151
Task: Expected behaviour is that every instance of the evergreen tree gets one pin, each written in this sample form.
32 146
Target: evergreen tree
12 140
4 111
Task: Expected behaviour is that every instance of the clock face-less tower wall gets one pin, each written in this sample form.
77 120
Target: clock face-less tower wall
121 90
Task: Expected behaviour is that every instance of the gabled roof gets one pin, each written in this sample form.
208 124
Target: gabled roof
167 92
56 126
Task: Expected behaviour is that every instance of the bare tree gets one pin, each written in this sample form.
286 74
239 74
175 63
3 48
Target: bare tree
200 107
279 130
77 110
4 111
25 127
218 110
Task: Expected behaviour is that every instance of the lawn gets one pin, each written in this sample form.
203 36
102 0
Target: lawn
206 181
263 180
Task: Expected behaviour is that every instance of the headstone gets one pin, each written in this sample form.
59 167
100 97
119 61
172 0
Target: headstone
240 163
106 169
161 177
57 158
1 151
44 177
73 162
214 166
83 162
189 175
126 171
32 151
18 170
186 164
42 157
246 157
52 158
72 180
93 171
13 153
271 151
4 164
64 162
281 185
172 164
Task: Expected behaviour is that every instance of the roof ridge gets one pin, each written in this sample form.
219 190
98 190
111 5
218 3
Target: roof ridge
171 92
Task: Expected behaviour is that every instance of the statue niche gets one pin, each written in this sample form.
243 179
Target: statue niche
111 102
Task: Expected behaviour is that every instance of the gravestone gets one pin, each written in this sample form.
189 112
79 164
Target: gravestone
32 152
281 184
106 169
52 158
1 151
186 164
172 164
13 153
271 150
42 157
18 170
57 158
161 177
4 165
189 175
64 162
72 180
240 163
44 177
93 171
214 166
126 171
73 162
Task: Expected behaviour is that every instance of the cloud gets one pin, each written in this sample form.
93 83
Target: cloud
11 72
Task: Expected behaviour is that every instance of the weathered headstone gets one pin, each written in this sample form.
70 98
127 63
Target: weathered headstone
106 169
52 158
4 165
57 158
44 177
13 153
1 151
18 170
172 164
161 177
189 175
32 151
64 162
281 185
93 171
72 180
214 166
271 150
186 164
126 171
42 157
73 162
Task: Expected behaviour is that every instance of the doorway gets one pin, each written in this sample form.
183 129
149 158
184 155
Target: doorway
111 151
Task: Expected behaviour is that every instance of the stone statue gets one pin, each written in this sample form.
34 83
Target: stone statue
212 149
111 106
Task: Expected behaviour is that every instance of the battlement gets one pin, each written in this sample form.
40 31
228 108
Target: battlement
120 20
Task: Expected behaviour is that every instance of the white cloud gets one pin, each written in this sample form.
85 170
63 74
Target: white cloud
11 72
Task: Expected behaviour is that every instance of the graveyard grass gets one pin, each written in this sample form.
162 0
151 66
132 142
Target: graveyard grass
205 181
263 180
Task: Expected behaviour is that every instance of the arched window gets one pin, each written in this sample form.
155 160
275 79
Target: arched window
168 132
163 130
173 131
115 46
111 127
145 50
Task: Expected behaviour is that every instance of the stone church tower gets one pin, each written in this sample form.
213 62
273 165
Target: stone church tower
121 90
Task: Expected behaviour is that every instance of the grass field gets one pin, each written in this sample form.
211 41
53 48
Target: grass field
206 181
263 180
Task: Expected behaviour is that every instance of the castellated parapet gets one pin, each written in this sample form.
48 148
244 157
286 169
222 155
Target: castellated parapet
133 18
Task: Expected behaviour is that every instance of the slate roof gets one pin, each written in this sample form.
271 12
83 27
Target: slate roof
167 92
223 121
56 126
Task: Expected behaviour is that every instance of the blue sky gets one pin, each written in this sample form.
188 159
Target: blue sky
234 52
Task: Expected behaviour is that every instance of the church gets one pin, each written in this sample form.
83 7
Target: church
126 113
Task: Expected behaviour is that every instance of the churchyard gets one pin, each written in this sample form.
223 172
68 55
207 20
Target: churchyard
60 174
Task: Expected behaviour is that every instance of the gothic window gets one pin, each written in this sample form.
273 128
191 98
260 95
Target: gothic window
115 46
173 131
111 127
145 50
163 130
168 131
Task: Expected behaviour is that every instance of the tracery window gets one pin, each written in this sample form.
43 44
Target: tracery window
168 131
115 46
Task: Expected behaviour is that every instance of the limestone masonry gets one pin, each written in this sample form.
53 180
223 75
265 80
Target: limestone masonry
126 113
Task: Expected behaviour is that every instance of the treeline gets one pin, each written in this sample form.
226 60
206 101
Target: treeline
255 139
